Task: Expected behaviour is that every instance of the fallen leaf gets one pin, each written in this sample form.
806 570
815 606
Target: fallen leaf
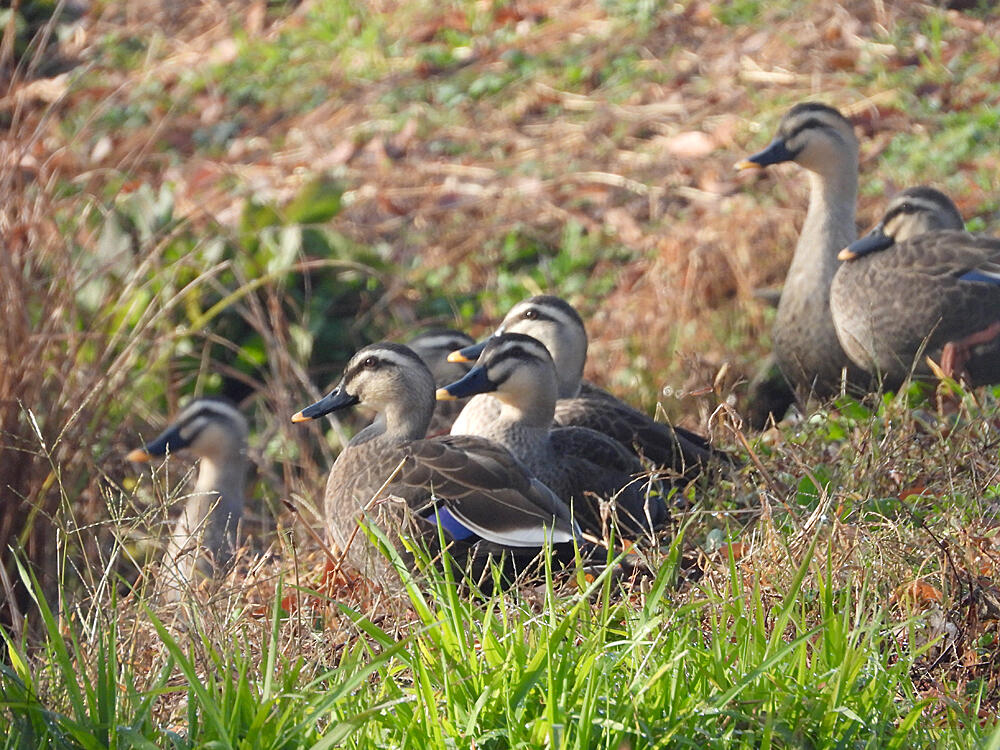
691 144
736 549
452 20
917 490
917 593
44 90
623 225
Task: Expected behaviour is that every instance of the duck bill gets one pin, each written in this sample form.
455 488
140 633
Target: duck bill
469 353
475 381
168 440
776 152
336 399
872 242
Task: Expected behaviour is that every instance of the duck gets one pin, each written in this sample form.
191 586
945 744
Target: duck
918 284
433 346
215 431
558 326
582 466
805 342
471 490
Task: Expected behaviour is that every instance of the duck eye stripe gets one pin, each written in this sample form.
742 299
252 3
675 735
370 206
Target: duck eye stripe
551 315
352 372
383 355
190 430
520 350
449 343
208 410
813 123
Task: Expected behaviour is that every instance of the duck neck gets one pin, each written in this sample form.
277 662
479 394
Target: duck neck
569 358
829 227
536 414
525 434
215 506
404 421
569 385
524 421
805 340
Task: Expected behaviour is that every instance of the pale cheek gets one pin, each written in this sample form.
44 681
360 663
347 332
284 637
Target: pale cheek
816 152
377 394
518 388
899 231
811 157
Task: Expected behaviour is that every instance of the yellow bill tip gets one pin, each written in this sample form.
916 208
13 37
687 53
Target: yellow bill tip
442 394
846 254
300 417
457 356
743 164
139 455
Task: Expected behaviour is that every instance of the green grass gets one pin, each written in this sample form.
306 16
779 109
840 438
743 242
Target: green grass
787 634
731 663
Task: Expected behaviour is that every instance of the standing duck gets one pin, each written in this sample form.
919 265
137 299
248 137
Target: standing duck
821 140
582 466
485 501
215 432
555 323
917 284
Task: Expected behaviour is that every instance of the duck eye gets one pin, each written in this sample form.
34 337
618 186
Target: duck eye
370 363
908 208
530 314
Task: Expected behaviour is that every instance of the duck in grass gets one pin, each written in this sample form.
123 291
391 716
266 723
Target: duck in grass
821 140
470 489
585 468
559 327
215 432
918 285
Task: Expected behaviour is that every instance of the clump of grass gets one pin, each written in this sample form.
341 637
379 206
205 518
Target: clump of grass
728 662
117 311
86 688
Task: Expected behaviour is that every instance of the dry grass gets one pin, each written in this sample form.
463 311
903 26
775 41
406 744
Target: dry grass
650 173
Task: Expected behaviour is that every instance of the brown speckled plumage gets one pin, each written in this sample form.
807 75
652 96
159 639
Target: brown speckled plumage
478 482
909 298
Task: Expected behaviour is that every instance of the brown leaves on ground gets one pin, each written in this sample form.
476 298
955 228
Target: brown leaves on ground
916 595
652 172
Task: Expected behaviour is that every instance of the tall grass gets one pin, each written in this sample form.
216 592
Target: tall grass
561 664
117 308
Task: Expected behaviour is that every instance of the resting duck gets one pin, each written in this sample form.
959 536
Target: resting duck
486 502
554 322
582 466
918 285
215 432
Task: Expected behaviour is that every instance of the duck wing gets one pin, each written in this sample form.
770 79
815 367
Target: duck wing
486 489
660 443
